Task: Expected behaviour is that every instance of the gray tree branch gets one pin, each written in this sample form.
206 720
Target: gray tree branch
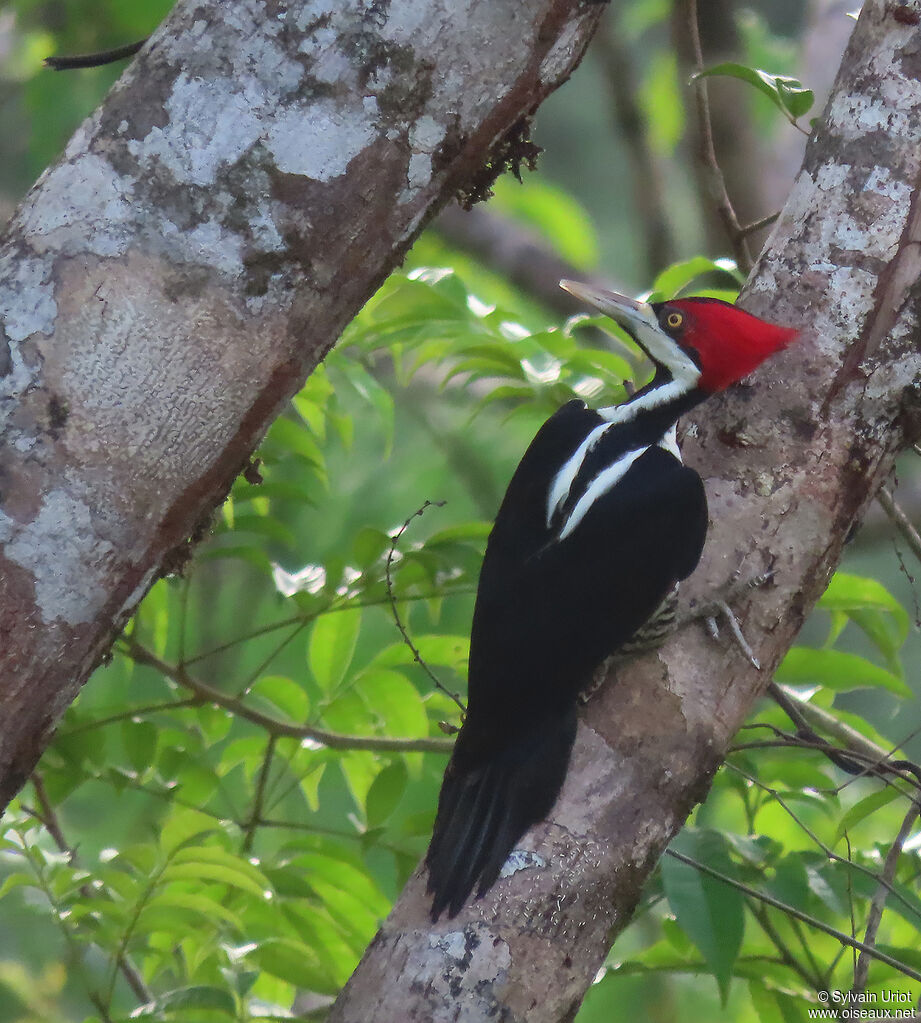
170 282
790 462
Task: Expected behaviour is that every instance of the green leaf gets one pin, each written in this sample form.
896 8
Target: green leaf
375 395
872 608
864 807
831 886
263 526
212 872
283 694
662 99
256 882
332 645
885 635
673 279
344 877
182 825
293 438
294 962
786 93
160 913
140 741
554 213
853 592
385 793
368 545
17 880
790 882
710 912
773 1005
395 703
447 650
836 670
189 998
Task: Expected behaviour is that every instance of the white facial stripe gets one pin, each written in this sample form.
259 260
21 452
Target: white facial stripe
562 483
599 486
669 443
652 399
662 349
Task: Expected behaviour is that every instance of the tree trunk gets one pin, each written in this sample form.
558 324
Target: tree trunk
171 281
790 463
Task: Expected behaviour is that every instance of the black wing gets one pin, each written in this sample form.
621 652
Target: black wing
549 610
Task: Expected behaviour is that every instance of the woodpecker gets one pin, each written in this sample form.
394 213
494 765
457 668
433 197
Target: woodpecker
599 524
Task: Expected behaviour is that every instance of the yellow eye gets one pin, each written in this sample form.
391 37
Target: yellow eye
674 320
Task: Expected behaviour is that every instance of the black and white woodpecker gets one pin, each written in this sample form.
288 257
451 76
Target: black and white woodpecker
599 524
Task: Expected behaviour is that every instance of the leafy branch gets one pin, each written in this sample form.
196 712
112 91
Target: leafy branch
797 914
275 726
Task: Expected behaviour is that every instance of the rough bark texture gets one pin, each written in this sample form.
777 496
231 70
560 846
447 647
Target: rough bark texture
790 463
171 281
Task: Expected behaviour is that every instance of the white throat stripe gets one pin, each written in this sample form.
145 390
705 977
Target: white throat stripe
652 399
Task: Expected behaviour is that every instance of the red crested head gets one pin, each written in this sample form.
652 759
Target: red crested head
726 342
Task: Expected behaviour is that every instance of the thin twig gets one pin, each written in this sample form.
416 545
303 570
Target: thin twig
255 675
797 929
708 157
394 540
878 901
796 914
859 747
305 618
165 706
850 903
51 824
871 768
84 60
758 225
274 726
900 520
786 956
255 818
829 853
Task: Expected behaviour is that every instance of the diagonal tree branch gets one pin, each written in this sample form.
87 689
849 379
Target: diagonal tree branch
167 285
791 463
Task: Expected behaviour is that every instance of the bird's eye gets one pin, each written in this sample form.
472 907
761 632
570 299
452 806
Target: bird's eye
673 321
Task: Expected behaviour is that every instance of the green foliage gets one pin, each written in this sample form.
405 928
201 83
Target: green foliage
274 856
710 913
787 94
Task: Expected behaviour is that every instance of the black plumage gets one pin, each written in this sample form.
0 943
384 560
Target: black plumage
548 611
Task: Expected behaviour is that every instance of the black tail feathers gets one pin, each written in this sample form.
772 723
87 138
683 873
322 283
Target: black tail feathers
487 802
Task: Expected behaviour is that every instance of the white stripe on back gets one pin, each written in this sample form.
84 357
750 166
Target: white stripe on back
599 486
563 481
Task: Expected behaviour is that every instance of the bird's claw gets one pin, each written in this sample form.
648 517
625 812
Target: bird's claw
734 627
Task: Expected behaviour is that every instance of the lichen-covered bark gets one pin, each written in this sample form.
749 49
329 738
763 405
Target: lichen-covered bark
170 282
790 463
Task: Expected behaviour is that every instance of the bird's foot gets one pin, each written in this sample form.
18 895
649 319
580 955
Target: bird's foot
734 627
712 610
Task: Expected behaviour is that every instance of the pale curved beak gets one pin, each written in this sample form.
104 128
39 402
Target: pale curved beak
639 320
627 312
